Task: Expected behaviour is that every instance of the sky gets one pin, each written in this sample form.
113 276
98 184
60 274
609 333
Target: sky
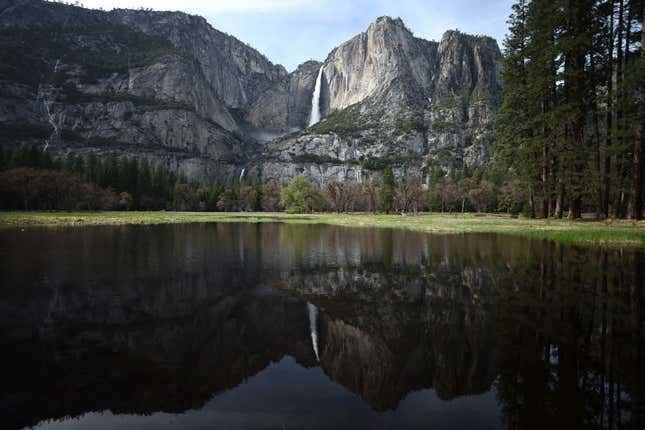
290 32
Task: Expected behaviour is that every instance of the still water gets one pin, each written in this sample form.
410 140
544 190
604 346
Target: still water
231 326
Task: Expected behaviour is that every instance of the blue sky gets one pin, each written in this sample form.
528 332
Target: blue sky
290 32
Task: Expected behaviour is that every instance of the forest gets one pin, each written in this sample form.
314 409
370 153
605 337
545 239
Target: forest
570 129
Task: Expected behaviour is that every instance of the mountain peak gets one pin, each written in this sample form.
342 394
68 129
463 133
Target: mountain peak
388 21
458 35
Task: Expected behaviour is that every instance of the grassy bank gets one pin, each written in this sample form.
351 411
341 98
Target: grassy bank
616 233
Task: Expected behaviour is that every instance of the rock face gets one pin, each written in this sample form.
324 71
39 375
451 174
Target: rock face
393 99
168 87
373 61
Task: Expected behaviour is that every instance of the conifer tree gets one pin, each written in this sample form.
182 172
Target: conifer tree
386 192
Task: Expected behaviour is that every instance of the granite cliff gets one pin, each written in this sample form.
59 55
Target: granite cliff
170 88
391 98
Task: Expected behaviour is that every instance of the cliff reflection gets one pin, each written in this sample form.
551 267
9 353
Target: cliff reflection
138 320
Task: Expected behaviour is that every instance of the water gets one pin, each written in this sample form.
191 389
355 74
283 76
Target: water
273 326
313 326
314 118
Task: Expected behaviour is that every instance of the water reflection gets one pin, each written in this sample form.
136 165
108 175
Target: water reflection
312 326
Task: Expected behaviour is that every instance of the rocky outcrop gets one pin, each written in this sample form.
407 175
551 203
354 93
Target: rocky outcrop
168 87
285 108
393 99
373 61
238 74
162 86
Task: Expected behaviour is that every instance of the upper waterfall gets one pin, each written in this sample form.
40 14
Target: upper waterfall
315 100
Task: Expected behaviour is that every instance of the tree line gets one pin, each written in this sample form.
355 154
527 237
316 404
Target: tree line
570 129
31 179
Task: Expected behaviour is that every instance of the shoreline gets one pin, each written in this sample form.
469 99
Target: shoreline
615 233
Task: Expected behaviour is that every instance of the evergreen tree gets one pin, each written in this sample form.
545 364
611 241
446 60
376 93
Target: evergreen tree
92 168
387 189
259 192
4 162
144 179
78 165
161 184
131 179
568 105
515 148
639 137
111 173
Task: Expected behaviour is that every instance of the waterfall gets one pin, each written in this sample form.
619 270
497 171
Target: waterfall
313 326
315 100
52 122
50 116
242 174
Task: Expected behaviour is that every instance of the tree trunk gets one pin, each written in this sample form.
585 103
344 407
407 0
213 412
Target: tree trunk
596 135
639 142
620 62
575 89
559 203
546 194
556 184
610 116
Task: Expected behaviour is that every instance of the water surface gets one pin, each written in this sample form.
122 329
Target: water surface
292 326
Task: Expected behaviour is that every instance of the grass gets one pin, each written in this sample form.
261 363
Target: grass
591 233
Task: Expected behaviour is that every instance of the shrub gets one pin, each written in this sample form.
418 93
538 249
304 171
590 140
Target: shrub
386 192
300 196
